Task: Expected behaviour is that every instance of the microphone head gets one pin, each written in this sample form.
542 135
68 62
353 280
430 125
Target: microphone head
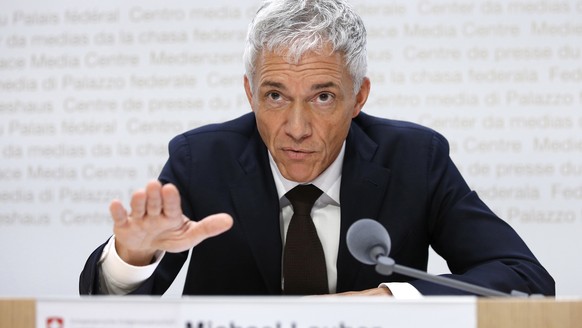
365 237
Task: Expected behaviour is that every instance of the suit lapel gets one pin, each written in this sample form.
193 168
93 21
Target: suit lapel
257 207
363 187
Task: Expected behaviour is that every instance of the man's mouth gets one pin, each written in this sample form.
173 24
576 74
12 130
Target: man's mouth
297 153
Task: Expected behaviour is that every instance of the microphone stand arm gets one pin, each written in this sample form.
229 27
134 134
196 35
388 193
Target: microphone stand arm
386 266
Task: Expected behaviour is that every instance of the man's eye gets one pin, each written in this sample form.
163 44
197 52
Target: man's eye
274 96
324 97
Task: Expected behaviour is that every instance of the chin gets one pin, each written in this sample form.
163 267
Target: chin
301 178
299 172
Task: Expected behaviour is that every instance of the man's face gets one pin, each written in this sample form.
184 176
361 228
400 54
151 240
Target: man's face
304 111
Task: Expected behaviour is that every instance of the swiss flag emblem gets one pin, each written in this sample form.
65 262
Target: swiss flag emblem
55 322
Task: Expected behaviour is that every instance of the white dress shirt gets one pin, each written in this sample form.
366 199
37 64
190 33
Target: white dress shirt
119 277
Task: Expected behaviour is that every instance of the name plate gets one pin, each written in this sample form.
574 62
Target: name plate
256 312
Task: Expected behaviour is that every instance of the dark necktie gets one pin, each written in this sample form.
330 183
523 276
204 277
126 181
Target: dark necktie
304 270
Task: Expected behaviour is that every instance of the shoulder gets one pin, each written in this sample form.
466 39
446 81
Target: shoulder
229 134
243 126
383 130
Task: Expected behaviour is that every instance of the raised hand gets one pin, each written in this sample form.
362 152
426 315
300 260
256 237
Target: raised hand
156 222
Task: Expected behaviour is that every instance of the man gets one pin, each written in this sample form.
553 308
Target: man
305 82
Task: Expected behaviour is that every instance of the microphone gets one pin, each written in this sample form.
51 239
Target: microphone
369 242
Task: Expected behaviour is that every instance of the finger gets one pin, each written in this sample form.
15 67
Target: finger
216 224
171 201
210 226
154 198
137 204
118 212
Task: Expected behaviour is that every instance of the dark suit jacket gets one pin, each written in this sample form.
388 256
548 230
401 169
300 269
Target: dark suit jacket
395 172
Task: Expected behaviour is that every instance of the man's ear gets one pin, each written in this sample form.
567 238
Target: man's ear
362 96
248 91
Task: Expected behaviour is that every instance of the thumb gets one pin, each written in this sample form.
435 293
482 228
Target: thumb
215 224
211 226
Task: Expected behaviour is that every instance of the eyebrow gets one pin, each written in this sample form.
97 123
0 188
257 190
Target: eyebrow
317 86
273 84
324 85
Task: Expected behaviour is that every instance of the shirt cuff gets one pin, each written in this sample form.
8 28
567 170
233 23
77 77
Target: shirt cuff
402 290
120 277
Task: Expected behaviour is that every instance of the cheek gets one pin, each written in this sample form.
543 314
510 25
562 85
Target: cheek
333 136
263 130
334 131
267 128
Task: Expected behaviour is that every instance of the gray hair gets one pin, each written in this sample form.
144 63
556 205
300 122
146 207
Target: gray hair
292 28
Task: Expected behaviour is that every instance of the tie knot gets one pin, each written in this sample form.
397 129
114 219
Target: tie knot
303 197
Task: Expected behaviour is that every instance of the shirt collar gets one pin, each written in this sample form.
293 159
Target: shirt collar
328 181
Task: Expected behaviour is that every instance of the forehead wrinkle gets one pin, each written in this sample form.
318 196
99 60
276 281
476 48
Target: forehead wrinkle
324 72
270 62
327 75
273 84
317 68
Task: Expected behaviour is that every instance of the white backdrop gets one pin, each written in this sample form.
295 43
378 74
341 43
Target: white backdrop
92 91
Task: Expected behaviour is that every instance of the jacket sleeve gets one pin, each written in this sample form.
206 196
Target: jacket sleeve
157 284
89 279
479 247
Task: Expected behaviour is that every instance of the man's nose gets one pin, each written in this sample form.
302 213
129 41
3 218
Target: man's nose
298 125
